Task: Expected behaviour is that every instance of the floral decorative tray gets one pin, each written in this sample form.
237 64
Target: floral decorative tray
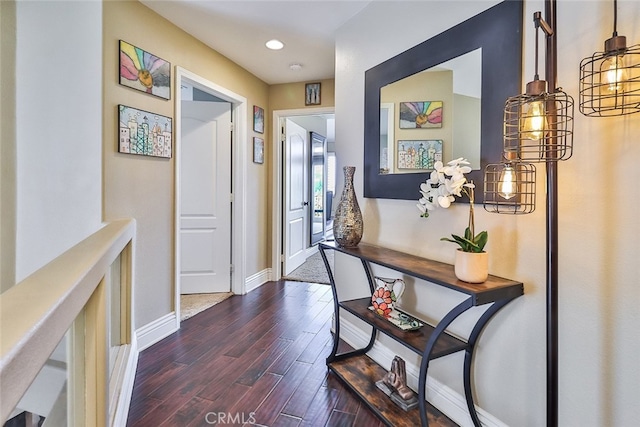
400 320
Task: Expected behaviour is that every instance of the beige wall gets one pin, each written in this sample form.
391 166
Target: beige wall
8 146
598 268
290 96
143 187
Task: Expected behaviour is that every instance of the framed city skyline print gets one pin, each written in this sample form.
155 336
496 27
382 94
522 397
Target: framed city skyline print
144 133
143 71
418 154
258 150
421 115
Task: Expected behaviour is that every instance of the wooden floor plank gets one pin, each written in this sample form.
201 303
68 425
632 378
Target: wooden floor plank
271 407
321 407
300 402
255 396
286 421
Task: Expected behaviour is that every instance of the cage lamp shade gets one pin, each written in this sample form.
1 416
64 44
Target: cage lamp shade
510 187
610 80
538 125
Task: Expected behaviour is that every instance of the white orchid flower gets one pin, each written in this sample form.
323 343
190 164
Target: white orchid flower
444 201
445 183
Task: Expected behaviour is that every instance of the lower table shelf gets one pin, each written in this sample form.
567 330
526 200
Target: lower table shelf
415 340
360 373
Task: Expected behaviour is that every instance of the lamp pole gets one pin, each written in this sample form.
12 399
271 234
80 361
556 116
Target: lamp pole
552 234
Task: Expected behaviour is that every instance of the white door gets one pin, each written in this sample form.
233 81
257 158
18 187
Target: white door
296 196
205 197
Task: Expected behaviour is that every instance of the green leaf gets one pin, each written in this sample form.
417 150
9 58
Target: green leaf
467 243
481 240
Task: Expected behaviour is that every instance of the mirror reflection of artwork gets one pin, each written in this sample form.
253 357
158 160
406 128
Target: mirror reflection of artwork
421 115
418 154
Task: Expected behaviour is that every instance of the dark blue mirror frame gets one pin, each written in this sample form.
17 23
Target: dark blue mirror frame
498 31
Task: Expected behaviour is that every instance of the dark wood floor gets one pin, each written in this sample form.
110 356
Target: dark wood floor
257 359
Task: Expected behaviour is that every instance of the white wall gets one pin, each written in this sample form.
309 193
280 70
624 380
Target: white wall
58 128
599 321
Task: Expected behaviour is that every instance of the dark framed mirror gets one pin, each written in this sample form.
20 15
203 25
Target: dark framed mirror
495 35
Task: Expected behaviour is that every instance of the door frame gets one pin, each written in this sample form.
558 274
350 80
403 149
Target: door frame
278 201
239 174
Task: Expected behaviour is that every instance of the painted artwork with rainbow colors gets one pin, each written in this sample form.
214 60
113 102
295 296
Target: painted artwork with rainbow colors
143 71
421 115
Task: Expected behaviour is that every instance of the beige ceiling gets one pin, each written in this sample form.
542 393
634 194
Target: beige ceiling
239 29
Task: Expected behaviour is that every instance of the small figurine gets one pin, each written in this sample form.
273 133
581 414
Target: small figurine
394 385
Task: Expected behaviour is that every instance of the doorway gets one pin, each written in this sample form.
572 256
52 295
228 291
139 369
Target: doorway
205 187
209 213
308 121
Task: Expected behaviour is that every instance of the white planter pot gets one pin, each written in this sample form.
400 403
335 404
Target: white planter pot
472 267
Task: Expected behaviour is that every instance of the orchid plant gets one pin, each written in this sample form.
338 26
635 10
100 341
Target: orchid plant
445 184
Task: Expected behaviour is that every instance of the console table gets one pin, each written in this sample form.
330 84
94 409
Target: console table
360 372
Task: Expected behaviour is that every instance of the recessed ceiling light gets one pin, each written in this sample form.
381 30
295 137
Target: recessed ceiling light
295 67
274 44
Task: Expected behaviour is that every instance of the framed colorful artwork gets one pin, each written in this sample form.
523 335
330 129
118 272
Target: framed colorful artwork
258 150
144 133
418 154
312 94
144 71
258 119
421 115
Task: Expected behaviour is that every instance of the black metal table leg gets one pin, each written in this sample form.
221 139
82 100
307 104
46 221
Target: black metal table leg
424 365
468 357
334 356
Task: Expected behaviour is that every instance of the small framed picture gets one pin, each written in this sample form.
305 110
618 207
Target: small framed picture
144 133
258 150
258 119
312 94
143 71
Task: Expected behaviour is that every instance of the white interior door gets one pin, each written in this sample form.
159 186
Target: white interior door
205 197
296 196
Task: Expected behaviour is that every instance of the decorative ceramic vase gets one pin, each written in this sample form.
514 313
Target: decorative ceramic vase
386 294
472 267
347 223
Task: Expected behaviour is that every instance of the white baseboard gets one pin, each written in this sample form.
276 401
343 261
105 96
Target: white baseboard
255 281
451 403
153 332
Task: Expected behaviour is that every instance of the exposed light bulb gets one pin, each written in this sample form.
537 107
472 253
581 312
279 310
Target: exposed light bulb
613 74
534 120
507 183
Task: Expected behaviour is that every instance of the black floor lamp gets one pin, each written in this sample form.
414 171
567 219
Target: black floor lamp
538 127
